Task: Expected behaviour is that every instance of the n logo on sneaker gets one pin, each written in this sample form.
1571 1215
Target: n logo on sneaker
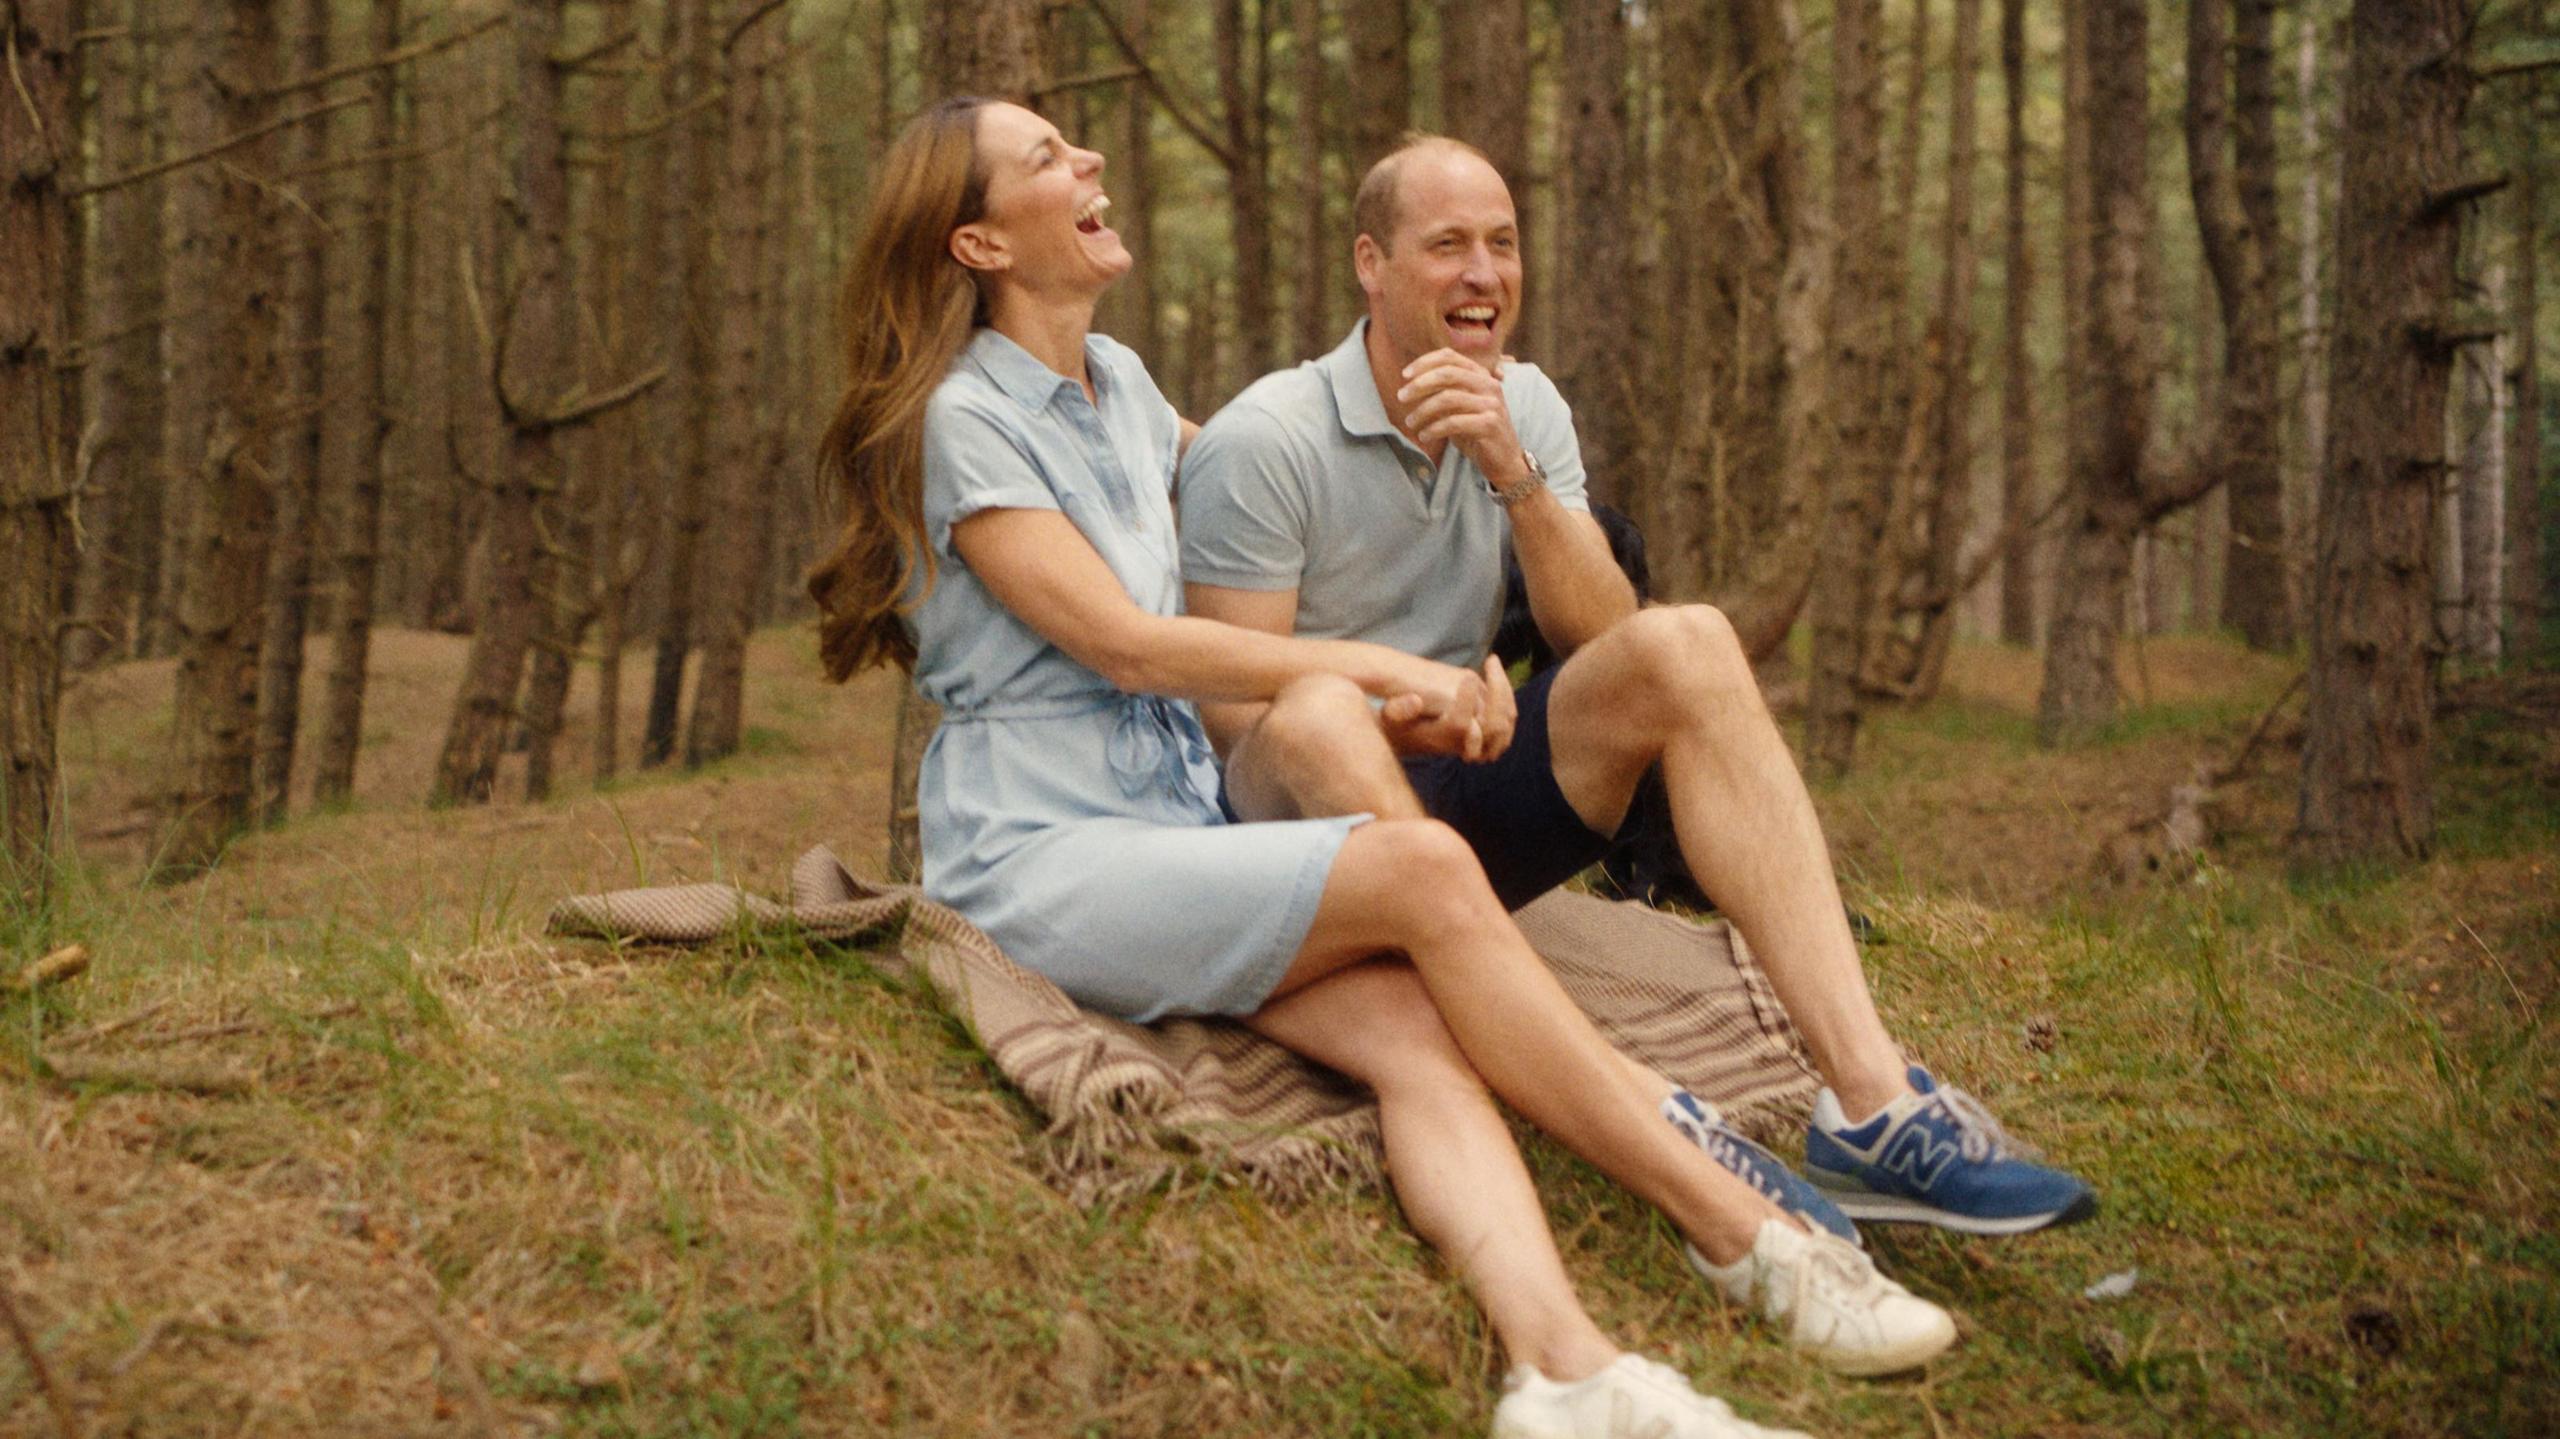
1918 1158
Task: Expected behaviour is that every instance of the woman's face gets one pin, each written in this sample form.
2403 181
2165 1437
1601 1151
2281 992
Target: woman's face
1043 226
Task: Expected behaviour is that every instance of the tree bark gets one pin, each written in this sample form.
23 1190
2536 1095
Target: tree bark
223 362
1136 314
1243 75
2017 368
1597 314
1381 80
2483 468
379 332
1858 328
2527 605
1319 249
627 249
120 568
2366 788
1485 79
36 444
2311 361
536 375
2111 502
687 319
733 569
2231 169
299 445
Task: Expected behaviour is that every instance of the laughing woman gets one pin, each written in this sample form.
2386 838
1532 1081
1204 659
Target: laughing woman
1004 476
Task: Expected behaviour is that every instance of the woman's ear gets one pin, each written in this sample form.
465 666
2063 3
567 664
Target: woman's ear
977 247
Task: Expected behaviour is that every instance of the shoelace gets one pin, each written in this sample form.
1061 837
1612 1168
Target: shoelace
1978 1135
1847 1271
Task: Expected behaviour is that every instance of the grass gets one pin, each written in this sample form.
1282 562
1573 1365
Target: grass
371 1155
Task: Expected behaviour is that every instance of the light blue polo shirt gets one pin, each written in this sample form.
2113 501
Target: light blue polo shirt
1302 482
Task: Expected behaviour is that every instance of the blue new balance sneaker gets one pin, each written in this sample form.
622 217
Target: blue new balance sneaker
1764 1172
1936 1156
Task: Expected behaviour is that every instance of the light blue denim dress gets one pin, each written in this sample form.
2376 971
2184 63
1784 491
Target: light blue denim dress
1075 823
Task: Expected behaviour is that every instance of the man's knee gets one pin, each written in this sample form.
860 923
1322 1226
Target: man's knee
1316 723
1687 655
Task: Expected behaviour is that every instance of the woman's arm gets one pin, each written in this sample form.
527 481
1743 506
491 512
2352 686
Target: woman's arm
1040 566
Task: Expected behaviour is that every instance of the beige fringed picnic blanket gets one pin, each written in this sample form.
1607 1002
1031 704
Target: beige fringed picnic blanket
1130 1105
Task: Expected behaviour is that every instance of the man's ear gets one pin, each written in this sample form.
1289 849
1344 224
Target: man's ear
1365 259
977 247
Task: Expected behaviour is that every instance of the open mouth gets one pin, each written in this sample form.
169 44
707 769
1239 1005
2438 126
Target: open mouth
1469 320
1089 217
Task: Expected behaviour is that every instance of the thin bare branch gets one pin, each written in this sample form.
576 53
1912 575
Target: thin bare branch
217 148
1206 138
744 23
401 56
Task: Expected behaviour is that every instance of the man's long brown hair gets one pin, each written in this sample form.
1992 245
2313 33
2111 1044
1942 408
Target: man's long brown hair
908 308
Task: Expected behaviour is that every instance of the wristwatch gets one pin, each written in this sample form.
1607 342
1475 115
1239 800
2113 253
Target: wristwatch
1533 482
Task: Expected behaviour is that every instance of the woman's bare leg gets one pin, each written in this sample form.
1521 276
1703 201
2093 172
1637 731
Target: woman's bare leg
1414 887
1456 1170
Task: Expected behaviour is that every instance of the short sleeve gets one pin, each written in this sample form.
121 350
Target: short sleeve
972 464
1244 503
1545 425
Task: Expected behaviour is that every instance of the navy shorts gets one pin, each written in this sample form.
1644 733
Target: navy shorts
1524 831
1511 808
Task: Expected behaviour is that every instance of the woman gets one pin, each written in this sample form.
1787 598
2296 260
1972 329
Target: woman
1005 475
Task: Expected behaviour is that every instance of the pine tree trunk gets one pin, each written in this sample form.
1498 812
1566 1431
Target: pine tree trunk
1858 328
2230 137
1381 79
299 445
2108 507
627 248
1319 248
1596 314
221 412
2483 370
119 571
538 374
1131 305
686 318
2527 605
2018 380
36 444
1484 99
1951 508
2366 789
733 568
1243 67
2311 358
384 270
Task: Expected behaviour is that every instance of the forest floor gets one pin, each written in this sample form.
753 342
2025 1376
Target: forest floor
335 1142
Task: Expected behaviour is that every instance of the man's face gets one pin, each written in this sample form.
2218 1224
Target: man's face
1450 274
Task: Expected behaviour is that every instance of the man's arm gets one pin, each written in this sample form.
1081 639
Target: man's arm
1575 587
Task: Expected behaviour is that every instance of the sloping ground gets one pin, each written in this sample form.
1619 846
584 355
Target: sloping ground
334 1143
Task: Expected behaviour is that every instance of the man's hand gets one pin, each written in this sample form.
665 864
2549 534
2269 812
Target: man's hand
1474 723
1458 400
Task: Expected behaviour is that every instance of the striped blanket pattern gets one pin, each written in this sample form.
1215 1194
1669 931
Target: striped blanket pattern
1131 1107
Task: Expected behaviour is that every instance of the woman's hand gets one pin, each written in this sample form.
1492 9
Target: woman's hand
1447 710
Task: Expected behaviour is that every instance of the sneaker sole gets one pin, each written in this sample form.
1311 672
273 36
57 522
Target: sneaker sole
1871 1207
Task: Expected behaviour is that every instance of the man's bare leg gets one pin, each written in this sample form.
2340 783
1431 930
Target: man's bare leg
1317 751
1672 684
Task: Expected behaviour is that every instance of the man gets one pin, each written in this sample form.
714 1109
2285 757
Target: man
1370 495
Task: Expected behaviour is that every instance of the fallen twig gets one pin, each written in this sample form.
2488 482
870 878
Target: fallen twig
211 1080
97 1032
26 1342
66 963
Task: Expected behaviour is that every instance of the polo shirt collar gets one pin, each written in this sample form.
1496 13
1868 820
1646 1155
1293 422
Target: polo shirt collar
1021 374
1355 390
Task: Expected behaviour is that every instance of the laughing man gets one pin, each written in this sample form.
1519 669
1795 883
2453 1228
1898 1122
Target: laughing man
1370 495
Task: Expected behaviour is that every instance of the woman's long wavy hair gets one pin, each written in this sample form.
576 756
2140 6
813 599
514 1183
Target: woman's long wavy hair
907 309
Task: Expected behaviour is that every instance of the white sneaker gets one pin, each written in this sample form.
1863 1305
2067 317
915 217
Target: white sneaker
1831 1301
1633 1398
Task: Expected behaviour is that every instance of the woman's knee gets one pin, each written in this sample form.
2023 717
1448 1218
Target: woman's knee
1430 873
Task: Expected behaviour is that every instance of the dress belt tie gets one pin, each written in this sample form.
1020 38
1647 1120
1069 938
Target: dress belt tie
1153 742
